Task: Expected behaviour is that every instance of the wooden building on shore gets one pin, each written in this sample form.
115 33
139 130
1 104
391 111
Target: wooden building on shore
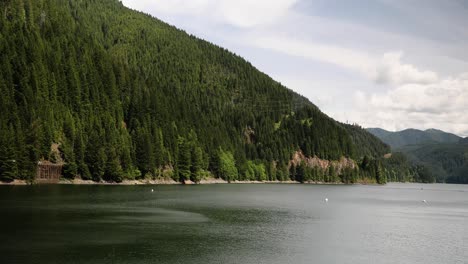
48 172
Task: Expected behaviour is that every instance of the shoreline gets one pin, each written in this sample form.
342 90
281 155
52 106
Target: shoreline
207 181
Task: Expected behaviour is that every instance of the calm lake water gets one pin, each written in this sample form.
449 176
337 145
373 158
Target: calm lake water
262 223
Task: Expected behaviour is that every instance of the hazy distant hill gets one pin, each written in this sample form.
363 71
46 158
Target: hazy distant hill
413 136
448 162
444 155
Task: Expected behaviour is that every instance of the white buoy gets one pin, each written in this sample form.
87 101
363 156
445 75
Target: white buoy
326 200
152 190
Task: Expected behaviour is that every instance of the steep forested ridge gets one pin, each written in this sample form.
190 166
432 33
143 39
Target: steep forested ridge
116 94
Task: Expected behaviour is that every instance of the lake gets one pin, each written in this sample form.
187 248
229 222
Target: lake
237 223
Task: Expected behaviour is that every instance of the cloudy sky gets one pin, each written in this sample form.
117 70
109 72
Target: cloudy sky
393 64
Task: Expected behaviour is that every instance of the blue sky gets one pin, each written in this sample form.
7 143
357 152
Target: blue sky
383 63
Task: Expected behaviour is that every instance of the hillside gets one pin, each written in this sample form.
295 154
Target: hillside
447 162
434 154
413 136
122 95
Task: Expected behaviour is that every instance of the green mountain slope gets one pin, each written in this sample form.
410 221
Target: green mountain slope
413 136
116 94
434 154
367 144
447 162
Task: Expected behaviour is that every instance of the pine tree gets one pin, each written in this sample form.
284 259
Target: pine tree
184 160
197 168
8 162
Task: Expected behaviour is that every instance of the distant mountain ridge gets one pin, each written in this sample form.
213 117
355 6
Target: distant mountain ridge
413 137
443 156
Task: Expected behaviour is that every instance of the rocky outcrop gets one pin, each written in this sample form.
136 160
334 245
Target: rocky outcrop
315 162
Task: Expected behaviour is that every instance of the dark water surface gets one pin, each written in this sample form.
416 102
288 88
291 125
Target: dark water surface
262 223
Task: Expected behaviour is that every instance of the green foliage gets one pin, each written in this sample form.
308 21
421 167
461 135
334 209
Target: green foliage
349 175
184 160
459 176
227 166
260 172
425 156
70 170
366 143
398 168
197 170
8 163
446 162
424 174
372 169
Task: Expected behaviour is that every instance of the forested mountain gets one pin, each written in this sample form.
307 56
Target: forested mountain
434 155
413 136
445 162
116 94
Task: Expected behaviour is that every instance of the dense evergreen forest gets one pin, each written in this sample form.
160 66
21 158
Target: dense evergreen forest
426 156
440 162
115 94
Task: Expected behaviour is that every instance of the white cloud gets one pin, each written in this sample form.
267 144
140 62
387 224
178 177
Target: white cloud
445 96
248 13
442 104
239 13
388 69
391 70
346 58
194 7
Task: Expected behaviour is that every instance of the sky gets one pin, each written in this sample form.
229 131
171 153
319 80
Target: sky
393 64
